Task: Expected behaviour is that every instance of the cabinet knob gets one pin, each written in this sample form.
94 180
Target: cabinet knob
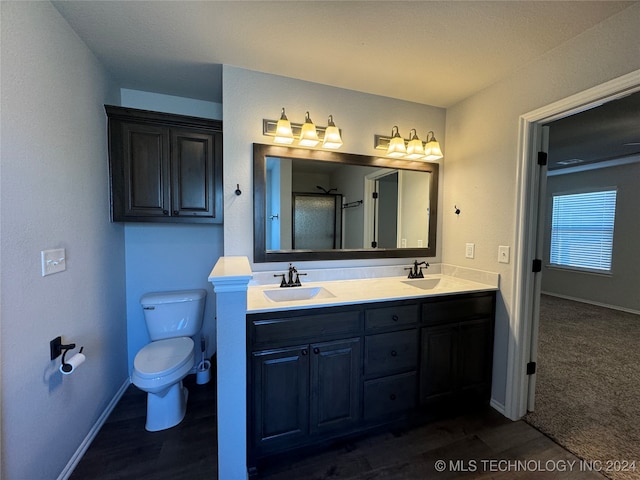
392 396
176 212
304 351
394 318
394 353
316 350
165 212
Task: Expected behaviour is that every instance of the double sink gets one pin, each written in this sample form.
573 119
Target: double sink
308 293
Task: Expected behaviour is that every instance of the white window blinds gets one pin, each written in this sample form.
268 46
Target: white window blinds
582 230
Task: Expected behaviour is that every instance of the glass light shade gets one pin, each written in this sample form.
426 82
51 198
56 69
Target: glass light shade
415 149
332 138
308 134
396 148
284 134
432 150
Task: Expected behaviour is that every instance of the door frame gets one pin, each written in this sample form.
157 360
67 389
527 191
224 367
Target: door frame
370 207
525 287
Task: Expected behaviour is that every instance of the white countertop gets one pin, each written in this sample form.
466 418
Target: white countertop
367 290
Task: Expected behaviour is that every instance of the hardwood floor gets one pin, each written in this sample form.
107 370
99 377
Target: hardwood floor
481 443
123 449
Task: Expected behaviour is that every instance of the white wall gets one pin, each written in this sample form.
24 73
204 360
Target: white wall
481 158
169 257
249 96
54 194
620 289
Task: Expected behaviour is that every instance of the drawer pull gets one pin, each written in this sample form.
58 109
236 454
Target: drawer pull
316 350
394 318
392 396
304 351
394 353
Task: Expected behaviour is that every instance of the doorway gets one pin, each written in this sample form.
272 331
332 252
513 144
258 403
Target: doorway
530 181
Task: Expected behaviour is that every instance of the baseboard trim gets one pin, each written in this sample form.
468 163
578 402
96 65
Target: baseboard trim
497 406
79 453
591 302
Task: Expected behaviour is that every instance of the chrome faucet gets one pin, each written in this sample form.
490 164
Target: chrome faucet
416 270
290 281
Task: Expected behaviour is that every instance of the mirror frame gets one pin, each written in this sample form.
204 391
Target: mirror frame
261 255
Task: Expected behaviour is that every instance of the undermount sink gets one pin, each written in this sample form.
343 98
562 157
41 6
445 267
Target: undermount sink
291 294
423 283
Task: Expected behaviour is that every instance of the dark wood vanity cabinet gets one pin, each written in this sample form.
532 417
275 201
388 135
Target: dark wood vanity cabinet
305 391
456 351
164 167
324 373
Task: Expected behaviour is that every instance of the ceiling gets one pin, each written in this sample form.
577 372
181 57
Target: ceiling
607 135
432 52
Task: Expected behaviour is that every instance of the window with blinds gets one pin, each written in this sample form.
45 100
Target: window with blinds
582 230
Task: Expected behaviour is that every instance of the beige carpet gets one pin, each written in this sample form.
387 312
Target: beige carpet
588 384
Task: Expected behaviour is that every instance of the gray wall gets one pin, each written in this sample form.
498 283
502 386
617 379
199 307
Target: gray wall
621 288
54 194
481 164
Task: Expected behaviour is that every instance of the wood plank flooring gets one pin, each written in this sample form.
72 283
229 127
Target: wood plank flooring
481 443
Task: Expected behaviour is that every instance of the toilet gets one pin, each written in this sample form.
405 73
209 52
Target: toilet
172 318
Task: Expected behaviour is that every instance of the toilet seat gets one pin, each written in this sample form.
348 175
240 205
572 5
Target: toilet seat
163 357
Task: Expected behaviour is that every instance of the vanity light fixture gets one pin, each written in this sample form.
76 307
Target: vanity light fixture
432 148
396 148
415 149
305 135
332 138
308 133
412 149
284 133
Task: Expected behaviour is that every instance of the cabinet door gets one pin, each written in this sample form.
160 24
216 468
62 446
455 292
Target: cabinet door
335 385
438 374
280 396
475 359
145 158
195 173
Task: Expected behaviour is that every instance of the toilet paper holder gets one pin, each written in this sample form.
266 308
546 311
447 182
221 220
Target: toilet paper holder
56 348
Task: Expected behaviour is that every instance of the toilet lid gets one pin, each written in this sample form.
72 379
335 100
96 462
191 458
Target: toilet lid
163 357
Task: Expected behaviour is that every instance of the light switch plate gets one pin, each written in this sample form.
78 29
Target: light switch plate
53 261
470 250
503 254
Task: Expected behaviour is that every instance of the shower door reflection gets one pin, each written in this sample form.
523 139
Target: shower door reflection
317 221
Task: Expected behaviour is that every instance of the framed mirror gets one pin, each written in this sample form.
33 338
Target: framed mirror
321 205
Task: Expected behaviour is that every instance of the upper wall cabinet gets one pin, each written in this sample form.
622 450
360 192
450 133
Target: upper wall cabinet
164 167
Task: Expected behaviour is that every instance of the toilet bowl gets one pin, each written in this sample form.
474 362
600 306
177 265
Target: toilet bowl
172 319
158 369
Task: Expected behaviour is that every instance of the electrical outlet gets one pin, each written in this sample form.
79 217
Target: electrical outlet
470 250
53 261
503 254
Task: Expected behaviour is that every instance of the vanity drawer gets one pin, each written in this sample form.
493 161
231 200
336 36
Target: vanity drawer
385 317
389 395
456 309
389 353
284 330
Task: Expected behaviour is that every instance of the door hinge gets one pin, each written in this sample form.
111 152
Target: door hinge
537 265
542 158
374 244
374 195
531 368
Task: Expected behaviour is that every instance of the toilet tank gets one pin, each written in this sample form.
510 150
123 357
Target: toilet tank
173 314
